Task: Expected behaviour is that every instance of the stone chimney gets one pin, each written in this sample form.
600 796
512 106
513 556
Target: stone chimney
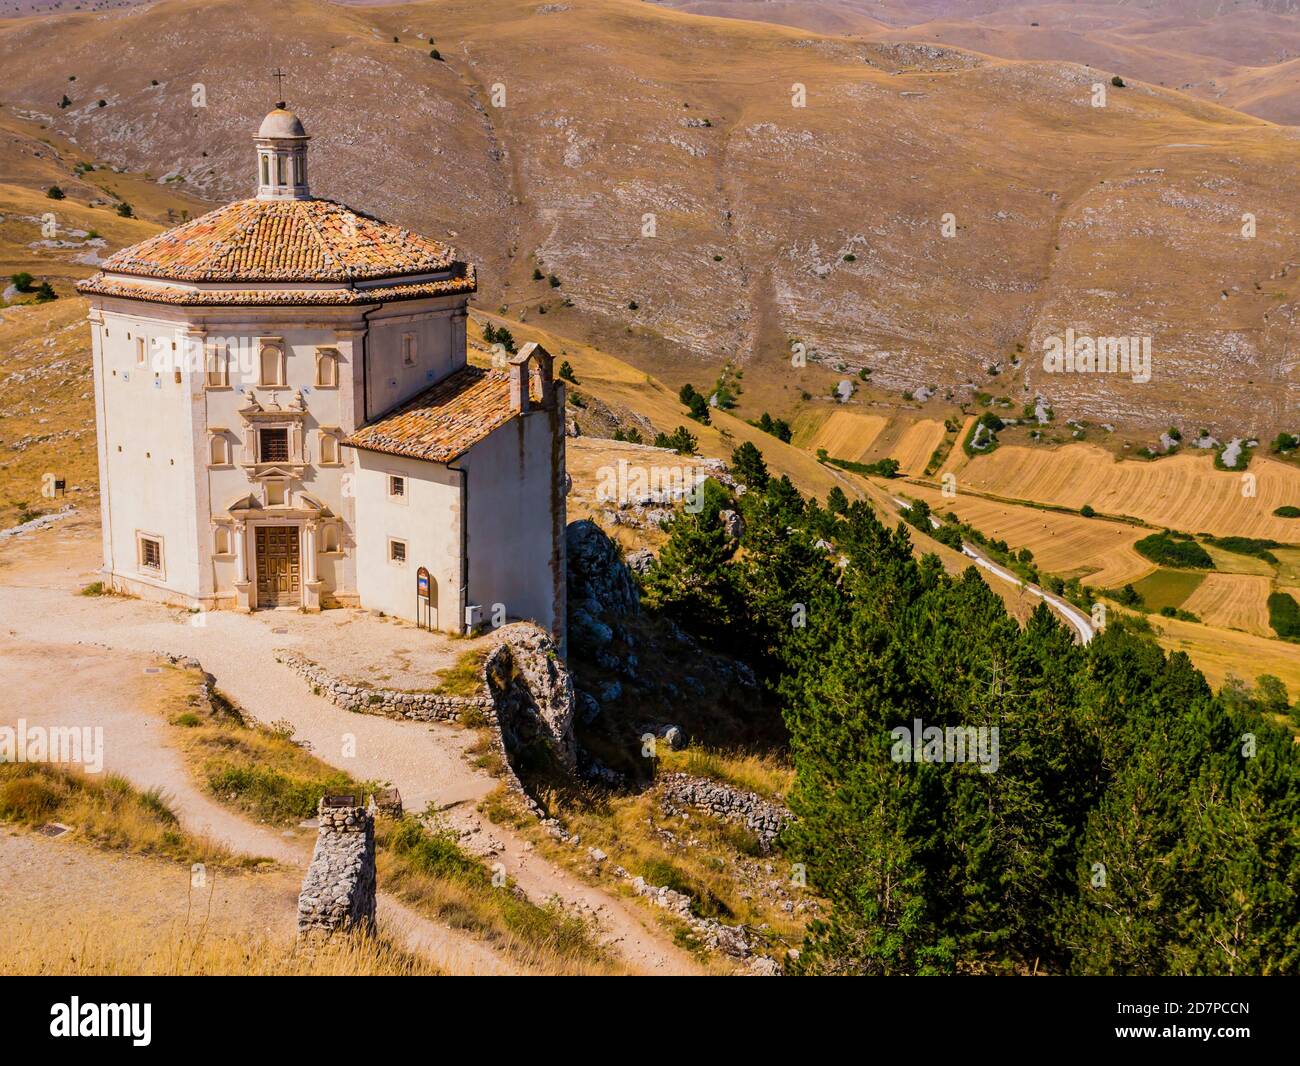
519 398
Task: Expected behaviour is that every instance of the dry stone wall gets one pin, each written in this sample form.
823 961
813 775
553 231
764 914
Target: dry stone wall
761 817
393 703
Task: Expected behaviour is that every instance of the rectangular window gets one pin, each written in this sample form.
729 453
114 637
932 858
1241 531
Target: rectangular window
396 486
140 351
273 446
276 494
151 554
397 551
217 362
408 349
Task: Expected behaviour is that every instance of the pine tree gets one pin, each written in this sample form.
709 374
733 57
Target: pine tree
748 466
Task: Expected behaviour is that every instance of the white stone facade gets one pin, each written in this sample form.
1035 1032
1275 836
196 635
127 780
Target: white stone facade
222 407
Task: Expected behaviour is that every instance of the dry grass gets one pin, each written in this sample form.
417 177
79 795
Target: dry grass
766 775
107 811
1219 652
104 945
845 434
428 869
715 862
465 678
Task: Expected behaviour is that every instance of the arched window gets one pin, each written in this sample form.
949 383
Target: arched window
221 541
329 448
329 538
266 170
272 366
327 368
219 450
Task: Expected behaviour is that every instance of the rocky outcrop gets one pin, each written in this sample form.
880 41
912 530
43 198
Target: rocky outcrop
600 586
338 894
532 693
761 817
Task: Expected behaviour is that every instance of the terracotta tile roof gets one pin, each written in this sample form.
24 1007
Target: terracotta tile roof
461 281
444 421
282 240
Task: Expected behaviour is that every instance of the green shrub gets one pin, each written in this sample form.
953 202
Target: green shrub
1284 615
1169 549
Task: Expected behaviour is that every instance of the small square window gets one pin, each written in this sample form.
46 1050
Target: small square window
150 554
396 486
273 446
277 494
397 551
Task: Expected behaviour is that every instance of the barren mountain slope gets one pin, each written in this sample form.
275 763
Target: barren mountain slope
1215 49
773 224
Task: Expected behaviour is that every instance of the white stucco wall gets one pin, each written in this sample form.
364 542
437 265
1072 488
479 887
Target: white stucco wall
511 525
147 457
427 519
439 349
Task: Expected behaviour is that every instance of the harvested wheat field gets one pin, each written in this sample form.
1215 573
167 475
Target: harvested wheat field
847 434
1182 492
1233 601
1063 544
1219 652
957 458
916 444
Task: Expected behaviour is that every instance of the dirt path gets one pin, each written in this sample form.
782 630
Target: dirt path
47 883
39 605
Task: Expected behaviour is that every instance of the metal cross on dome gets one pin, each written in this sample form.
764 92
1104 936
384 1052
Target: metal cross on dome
279 76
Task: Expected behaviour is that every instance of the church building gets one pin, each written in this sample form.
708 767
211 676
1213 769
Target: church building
287 419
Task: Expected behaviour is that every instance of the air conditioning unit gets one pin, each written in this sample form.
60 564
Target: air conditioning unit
473 615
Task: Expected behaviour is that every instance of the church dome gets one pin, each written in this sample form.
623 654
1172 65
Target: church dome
281 123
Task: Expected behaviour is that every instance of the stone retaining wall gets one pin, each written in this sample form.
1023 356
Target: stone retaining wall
391 702
338 893
761 817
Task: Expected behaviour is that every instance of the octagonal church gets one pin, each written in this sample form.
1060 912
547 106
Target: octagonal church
287 419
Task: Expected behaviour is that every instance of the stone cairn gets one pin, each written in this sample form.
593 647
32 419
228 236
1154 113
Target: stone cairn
338 894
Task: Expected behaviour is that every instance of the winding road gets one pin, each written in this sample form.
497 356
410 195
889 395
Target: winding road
1075 618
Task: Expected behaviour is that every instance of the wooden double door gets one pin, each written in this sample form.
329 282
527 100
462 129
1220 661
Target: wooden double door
279 567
